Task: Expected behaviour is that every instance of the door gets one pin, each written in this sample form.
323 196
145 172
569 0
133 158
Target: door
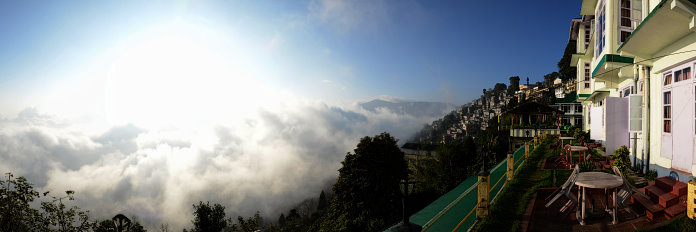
683 115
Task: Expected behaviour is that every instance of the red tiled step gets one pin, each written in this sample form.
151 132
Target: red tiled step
652 209
675 210
671 185
665 199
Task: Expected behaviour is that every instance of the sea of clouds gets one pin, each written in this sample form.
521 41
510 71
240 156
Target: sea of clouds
268 160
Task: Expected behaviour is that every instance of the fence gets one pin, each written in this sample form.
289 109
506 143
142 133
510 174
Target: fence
458 209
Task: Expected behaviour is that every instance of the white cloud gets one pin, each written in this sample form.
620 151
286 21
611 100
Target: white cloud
268 161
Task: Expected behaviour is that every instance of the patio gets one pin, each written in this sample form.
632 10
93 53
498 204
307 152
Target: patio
541 218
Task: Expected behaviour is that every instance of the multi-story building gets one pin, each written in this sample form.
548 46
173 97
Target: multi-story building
635 81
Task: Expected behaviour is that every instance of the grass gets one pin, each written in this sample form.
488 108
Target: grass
681 224
506 212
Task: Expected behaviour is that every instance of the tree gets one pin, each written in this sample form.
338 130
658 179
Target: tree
566 72
15 196
514 85
208 218
499 87
281 220
251 224
449 168
321 205
366 196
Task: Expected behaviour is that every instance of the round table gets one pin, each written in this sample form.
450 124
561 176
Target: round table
598 180
578 148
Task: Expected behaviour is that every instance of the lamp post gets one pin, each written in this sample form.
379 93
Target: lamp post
406 189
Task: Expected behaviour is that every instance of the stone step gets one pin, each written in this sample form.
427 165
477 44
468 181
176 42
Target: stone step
658 195
652 209
675 210
673 186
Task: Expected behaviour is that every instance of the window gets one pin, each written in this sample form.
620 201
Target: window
629 17
667 112
587 75
599 30
668 80
682 75
578 121
587 35
578 108
566 108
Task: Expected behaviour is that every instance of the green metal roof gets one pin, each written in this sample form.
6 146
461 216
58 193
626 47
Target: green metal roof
611 58
569 98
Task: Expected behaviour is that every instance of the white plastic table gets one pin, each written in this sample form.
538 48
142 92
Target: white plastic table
598 180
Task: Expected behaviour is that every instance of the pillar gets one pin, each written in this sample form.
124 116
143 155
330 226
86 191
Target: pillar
510 166
526 149
691 199
483 209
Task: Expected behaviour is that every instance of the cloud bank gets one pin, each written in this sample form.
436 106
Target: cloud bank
268 160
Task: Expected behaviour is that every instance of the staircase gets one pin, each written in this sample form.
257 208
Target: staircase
667 197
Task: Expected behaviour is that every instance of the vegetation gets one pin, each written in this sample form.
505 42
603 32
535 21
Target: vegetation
366 194
452 165
510 205
586 166
620 158
16 196
651 174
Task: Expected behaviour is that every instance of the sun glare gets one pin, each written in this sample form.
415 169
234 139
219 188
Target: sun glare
179 76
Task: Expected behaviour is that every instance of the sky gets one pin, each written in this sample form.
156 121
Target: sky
144 108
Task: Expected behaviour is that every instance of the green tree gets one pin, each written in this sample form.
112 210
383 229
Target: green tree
103 226
566 72
514 85
208 218
251 224
281 220
15 196
448 169
321 205
366 196
500 87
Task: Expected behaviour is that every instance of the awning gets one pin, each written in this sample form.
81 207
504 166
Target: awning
612 65
596 94
668 22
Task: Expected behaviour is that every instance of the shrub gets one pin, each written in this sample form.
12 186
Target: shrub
586 166
651 174
620 158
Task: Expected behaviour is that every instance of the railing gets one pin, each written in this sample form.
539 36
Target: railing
461 213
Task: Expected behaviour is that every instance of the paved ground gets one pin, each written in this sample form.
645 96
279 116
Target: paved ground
548 219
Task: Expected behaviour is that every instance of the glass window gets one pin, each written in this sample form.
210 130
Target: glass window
599 30
667 111
668 79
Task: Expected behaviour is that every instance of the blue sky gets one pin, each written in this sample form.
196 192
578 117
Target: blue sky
334 51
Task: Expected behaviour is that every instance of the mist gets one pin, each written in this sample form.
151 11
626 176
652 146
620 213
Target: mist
267 160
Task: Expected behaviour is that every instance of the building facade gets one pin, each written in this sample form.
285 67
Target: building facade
635 81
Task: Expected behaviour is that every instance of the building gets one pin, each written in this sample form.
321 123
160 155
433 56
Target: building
572 111
532 119
635 80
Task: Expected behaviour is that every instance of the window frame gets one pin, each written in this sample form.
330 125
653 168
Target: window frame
600 29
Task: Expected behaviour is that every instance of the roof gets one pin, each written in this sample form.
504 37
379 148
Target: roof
533 108
569 98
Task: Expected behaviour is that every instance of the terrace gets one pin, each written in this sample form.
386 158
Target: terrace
516 199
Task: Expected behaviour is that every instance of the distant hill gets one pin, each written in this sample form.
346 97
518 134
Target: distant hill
414 108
